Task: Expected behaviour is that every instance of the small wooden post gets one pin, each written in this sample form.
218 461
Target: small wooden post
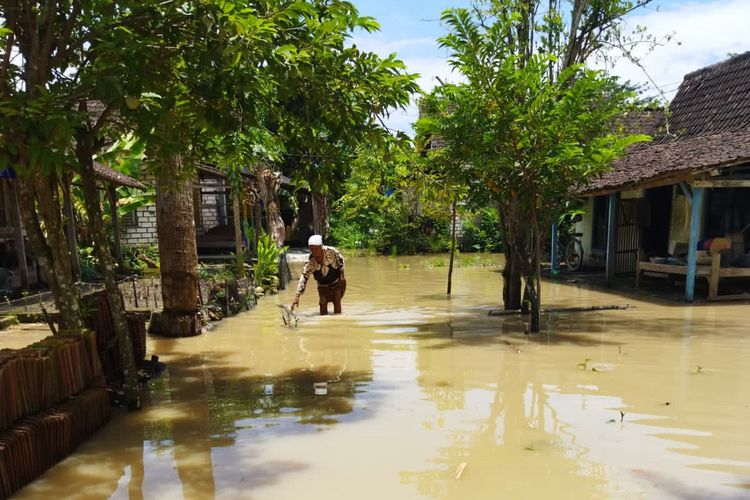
20 244
695 220
554 250
135 291
611 236
713 283
70 227
453 246
112 192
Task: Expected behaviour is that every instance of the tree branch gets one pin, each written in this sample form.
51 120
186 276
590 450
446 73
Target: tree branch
5 68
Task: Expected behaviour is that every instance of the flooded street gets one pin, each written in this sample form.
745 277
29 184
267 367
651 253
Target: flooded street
409 394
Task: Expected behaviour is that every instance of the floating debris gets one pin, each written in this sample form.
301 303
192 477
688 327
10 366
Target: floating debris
288 316
460 470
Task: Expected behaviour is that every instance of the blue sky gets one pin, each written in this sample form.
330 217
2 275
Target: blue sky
705 31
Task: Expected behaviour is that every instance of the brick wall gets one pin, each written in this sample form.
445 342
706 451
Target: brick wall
210 204
144 232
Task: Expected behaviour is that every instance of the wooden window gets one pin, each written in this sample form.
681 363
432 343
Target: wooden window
130 219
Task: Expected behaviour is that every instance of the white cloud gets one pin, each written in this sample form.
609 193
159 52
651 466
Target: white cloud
382 46
430 69
704 33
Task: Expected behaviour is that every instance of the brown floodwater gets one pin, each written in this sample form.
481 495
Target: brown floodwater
410 394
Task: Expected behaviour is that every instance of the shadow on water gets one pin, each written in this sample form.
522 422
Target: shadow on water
584 329
196 407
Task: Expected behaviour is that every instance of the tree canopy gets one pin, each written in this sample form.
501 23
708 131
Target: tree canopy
531 121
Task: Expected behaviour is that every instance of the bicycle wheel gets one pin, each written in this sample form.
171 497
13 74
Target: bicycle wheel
574 255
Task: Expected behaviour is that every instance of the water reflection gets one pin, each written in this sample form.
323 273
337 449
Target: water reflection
392 398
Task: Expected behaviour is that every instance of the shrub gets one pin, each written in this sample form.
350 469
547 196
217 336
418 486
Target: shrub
391 230
141 258
89 271
482 233
266 269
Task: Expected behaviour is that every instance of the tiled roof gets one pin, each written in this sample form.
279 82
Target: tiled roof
644 121
709 127
713 99
671 160
108 174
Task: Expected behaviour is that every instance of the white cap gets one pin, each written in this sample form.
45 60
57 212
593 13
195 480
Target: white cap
315 240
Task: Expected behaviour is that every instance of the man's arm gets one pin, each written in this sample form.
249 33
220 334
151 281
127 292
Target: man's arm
340 264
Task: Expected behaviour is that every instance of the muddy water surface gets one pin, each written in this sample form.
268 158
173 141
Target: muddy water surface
411 395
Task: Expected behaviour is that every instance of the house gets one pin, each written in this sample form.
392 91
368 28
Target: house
685 193
212 205
18 266
215 209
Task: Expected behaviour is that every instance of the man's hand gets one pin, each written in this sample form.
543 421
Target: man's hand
295 304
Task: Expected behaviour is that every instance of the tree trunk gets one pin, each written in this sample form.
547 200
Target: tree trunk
536 271
40 205
70 226
112 194
20 244
103 255
513 270
269 184
257 223
175 227
321 223
453 246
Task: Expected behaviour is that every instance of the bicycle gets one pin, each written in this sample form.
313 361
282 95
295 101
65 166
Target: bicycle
570 250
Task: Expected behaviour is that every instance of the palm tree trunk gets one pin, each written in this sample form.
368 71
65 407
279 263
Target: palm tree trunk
175 227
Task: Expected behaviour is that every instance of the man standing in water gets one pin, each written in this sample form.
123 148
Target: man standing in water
327 266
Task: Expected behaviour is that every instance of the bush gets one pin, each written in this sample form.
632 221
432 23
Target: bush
482 233
140 259
89 271
391 230
266 269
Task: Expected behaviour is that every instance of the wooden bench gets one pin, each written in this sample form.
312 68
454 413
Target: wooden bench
713 273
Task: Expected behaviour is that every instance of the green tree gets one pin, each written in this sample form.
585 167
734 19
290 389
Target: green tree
532 120
330 98
246 82
47 129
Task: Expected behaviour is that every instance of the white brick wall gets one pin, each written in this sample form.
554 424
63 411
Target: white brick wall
210 203
143 234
